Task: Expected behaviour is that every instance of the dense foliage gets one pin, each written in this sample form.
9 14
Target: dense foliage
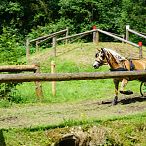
112 15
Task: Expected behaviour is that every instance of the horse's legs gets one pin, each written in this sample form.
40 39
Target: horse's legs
123 84
116 83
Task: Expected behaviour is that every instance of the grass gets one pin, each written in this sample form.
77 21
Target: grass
129 130
73 90
78 57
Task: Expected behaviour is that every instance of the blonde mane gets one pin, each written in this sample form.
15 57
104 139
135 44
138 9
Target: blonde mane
117 56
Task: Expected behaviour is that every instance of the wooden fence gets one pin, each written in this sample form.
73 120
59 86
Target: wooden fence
134 32
21 68
41 40
70 76
95 37
67 37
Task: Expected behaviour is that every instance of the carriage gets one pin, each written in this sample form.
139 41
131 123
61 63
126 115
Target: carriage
143 88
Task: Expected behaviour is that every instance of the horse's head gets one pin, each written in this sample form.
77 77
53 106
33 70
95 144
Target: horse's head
99 59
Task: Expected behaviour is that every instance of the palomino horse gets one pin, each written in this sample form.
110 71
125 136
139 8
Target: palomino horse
118 63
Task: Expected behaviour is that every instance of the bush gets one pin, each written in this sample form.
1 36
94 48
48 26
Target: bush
10 50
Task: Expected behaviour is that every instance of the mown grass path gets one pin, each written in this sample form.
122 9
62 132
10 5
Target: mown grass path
53 114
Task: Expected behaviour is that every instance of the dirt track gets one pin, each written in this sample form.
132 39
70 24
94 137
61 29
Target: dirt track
53 114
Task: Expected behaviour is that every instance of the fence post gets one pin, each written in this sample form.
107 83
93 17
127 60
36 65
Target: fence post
67 32
123 36
127 32
140 50
54 45
27 51
95 35
53 82
37 46
39 92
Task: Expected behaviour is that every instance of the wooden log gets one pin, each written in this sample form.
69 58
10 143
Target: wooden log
67 32
18 68
139 34
101 31
119 38
95 37
53 82
27 50
50 35
140 50
54 42
41 41
70 76
75 35
37 46
127 32
38 89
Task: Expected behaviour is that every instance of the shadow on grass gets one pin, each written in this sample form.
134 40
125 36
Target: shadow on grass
2 139
132 100
127 100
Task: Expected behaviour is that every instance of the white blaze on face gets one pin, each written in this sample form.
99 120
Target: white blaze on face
96 64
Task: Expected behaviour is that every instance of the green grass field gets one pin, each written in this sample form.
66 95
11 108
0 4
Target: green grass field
128 129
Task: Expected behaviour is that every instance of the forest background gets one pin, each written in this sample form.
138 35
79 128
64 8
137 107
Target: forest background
20 19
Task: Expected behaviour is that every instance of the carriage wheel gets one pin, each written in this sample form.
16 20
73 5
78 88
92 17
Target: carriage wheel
143 88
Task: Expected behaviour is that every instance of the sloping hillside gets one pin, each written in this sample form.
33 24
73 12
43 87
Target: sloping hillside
84 52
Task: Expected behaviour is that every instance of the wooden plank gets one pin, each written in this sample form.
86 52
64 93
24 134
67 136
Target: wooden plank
70 76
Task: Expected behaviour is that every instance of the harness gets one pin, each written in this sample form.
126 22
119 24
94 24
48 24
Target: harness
132 67
119 69
123 68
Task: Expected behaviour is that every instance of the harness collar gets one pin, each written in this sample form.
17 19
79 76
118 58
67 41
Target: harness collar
132 66
119 69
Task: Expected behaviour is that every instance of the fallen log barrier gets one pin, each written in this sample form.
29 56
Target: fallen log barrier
35 68
18 68
71 76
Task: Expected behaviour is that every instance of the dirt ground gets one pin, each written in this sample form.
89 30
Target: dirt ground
54 114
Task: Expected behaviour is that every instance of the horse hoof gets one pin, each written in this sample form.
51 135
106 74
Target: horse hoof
128 92
115 101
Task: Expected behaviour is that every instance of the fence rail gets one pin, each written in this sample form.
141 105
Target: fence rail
40 40
70 76
119 38
49 36
75 35
134 32
18 68
35 68
95 39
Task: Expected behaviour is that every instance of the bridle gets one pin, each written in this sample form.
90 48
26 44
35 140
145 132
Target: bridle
101 61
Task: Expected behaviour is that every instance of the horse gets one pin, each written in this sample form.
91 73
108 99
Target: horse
119 63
